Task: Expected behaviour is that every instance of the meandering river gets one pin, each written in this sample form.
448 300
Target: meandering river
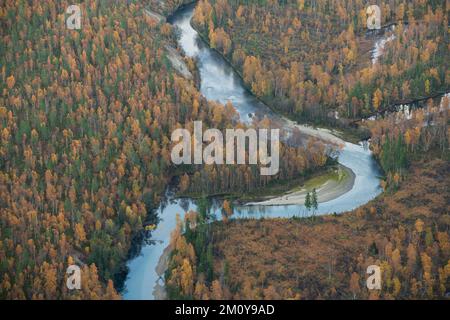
220 82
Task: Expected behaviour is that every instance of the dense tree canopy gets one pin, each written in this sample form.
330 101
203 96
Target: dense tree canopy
86 118
309 59
297 57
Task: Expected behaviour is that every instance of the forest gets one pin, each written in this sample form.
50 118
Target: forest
85 123
85 120
405 232
311 61
299 60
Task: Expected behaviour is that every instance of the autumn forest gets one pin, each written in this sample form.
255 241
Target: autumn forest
87 177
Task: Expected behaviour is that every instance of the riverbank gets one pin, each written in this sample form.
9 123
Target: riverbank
330 183
333 186
325 132
219 83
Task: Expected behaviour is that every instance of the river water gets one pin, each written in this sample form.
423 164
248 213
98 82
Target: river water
219 82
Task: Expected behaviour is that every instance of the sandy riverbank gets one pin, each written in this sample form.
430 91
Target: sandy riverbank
331 189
